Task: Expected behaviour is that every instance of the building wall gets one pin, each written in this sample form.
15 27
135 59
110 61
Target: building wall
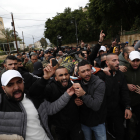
37 44
23 46
1 27
129 38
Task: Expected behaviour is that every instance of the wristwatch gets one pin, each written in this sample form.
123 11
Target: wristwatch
128 107
99 42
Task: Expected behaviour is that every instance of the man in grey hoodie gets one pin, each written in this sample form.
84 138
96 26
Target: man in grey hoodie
123 58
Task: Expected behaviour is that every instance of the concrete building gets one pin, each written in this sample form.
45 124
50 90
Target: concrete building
22 46
37 44
1 27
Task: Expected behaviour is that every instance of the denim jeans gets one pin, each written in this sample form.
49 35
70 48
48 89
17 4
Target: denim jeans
99 132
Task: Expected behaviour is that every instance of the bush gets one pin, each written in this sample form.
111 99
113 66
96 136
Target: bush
2 53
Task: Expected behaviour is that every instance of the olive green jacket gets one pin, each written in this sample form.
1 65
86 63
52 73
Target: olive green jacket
44 63
29 67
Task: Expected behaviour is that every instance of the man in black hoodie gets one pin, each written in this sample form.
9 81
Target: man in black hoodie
67 120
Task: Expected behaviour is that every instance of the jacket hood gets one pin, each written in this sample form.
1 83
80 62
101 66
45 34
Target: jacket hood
121 58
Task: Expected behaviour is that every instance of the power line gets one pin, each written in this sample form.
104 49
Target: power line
5 9
4 15
30 26
24 19
34 13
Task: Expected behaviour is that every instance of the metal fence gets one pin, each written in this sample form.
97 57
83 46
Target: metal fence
131 32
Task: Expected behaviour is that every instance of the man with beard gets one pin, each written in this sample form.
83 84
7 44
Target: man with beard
133 83
90 91
23 117
29 66
12 64
117 95
65 122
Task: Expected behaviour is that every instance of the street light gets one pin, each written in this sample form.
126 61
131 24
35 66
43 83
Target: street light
76 30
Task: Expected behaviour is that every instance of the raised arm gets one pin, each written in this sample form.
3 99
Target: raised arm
95 50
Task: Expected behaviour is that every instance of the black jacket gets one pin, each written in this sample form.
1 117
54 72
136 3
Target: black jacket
93 54
68 117
133 77
93 110
117 93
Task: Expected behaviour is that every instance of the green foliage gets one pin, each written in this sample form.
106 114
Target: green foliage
8 36
107 15
64 24
136 24
43 42
2 53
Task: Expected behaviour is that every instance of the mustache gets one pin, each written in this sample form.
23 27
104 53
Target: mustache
87 76
17 91
64 80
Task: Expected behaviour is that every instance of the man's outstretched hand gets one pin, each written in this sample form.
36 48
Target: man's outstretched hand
49 70
102 35
70 91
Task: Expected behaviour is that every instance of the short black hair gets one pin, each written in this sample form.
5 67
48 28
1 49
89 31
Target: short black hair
111 54
19 60
19 54
60 67
82 63
23 53
104 54
10 57
126 49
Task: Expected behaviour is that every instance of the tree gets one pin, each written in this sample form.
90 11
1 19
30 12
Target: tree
9 36
111 14
107 15
64 24
43 42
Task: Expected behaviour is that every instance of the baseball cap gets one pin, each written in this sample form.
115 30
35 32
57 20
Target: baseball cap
38 68
8 75
47 51
134 55
102 48
126 42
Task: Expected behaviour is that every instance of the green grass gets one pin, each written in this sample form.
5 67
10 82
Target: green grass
1 61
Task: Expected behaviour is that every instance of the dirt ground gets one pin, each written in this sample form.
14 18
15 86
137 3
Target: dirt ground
2 57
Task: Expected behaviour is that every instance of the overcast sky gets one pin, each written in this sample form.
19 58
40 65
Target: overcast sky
37 10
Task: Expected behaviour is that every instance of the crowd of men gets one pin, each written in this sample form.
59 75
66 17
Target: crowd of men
72 93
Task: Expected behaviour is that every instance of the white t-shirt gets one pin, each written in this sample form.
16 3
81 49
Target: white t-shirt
34 130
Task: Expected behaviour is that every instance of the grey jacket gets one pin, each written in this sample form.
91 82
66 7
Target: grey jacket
137 46
122 61
93 110
16 122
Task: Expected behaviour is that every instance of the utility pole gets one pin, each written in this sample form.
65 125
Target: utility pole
76 31
33 39
14 31
23 41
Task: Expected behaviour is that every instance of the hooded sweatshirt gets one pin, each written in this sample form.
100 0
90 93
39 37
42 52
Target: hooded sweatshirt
123 61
